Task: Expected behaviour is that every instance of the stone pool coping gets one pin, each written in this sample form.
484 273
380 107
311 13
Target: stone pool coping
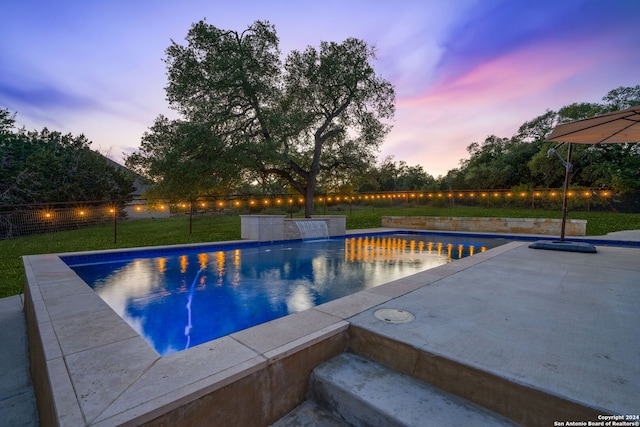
89 367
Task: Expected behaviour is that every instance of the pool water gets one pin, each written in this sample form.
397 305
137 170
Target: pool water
182 298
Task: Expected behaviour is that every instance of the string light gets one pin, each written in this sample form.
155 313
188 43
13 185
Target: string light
588 196
551 194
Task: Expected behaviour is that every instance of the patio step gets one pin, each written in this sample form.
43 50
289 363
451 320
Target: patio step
359 392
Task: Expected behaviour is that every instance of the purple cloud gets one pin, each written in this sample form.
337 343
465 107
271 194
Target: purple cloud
494 29
42 96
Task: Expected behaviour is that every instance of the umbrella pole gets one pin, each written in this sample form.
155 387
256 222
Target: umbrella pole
567 166
562 245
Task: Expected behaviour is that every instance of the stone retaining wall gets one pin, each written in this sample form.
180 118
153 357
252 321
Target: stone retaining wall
546 226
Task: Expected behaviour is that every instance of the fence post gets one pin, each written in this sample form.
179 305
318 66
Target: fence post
115 225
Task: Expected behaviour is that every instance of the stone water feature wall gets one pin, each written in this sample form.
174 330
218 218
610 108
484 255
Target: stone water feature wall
271 228
544 226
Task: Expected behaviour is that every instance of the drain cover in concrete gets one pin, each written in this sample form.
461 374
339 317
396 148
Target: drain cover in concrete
394 315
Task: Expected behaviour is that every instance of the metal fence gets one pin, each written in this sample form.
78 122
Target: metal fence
24 220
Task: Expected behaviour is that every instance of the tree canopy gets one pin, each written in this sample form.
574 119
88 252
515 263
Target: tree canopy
47 166
245 113
522 159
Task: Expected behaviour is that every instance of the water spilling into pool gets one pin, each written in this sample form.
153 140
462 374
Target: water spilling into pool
312 229
184 297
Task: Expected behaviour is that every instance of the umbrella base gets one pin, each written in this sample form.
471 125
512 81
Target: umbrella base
557 245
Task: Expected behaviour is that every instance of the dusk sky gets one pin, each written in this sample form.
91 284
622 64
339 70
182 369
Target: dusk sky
462 69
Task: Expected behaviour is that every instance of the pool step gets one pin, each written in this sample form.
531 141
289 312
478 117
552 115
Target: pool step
361 392
310 414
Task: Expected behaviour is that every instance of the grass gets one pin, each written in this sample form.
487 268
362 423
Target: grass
222 227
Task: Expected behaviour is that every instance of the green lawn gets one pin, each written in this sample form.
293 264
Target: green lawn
221 227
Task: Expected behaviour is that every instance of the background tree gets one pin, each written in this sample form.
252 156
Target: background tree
185 160
622 97
522 160
321 111
390 175
47 166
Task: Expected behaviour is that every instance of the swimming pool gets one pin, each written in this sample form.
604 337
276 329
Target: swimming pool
177 299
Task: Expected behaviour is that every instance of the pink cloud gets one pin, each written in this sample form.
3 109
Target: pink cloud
521 74
435 127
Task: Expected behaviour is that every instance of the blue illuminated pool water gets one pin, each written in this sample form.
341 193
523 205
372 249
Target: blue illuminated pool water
183 297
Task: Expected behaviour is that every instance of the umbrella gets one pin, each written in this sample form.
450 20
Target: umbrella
619 126
622 126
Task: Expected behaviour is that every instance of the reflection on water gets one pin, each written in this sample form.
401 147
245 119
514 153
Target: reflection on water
182 300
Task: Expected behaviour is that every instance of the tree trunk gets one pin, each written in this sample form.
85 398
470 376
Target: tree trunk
309 192
308 203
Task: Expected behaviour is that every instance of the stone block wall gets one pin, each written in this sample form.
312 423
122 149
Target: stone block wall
263 228
544 226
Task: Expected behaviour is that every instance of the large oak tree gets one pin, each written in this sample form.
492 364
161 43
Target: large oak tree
320 111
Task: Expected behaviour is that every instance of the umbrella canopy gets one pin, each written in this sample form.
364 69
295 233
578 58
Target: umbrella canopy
616 127
620 126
